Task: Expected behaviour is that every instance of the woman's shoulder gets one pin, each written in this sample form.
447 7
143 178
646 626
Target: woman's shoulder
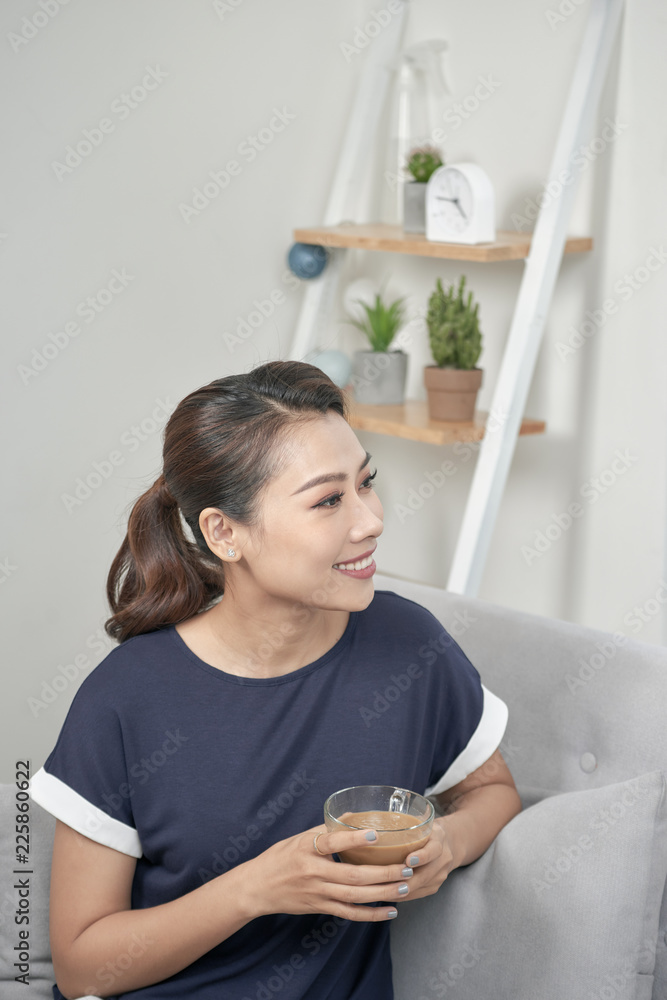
398 613
133 664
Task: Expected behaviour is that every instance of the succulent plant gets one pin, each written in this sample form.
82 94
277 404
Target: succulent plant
422 161
453 327
381 323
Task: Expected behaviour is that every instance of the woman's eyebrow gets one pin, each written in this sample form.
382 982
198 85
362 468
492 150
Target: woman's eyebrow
330 477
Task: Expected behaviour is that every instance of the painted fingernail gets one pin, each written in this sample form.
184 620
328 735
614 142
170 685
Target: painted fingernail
414 860
402 889
392 913
406 873
371 835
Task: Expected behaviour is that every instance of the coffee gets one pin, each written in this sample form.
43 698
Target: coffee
399 834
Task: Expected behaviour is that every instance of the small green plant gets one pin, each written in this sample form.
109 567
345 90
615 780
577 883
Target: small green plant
453 327
422 161
381 322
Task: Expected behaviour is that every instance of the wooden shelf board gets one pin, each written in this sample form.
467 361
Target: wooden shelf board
410 420
393 239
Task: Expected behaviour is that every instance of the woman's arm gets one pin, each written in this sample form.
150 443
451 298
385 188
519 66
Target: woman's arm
101 946
476 810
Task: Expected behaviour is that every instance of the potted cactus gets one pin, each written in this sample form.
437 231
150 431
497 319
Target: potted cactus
453 382
422 161
378 375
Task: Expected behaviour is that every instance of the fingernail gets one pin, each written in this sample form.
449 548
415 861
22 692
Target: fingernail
406 873
371 835
392 913
414 860
402 889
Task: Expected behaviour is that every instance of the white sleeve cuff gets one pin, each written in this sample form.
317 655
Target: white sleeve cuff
483 742
67 805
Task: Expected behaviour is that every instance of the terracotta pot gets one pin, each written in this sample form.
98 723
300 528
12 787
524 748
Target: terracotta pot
452 392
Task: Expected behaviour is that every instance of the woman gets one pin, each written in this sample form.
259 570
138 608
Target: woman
188 780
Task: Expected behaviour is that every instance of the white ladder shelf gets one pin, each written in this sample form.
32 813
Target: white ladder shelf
542 254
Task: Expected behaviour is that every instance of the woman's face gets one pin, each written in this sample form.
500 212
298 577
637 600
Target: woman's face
309 529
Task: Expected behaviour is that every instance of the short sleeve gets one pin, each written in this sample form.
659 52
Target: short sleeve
84 780
466 719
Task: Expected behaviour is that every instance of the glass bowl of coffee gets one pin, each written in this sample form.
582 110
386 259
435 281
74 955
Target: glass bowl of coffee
403 821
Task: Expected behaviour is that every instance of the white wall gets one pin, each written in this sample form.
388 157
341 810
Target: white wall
218 76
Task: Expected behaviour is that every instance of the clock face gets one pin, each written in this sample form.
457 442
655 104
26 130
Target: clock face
452 201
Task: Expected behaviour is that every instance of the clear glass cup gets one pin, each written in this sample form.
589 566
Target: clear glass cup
403 821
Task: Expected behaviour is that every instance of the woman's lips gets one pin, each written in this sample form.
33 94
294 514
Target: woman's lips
359 574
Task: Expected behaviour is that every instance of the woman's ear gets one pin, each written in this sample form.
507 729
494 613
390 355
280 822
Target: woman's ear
221 534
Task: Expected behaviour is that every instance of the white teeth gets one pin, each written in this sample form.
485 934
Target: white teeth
362 564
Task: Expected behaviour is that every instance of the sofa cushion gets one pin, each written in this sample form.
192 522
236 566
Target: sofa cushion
37 874
565 903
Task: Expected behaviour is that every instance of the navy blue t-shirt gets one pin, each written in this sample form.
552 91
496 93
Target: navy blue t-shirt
193 770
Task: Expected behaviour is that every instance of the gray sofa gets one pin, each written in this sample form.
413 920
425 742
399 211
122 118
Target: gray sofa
568 903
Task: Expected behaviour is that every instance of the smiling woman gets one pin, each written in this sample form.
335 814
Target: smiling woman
189 777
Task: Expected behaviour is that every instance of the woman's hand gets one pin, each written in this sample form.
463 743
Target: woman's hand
436 861
291 877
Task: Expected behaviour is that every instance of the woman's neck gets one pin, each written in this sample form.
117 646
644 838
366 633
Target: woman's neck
266 642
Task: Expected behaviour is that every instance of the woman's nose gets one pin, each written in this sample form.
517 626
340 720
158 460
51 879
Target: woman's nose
370 516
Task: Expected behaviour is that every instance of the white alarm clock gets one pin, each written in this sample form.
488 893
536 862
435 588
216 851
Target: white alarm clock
460 205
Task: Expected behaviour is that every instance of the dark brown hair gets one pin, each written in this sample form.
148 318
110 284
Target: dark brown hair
222 445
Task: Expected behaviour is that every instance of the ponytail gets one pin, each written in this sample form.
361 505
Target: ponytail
222 445
158 577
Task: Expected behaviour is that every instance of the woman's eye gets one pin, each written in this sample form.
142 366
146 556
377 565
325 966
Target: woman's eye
330 501
336 498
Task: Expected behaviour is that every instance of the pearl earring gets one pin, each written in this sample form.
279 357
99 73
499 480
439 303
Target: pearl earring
231 553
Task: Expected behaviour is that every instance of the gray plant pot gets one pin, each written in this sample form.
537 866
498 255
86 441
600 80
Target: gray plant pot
378 377
414 206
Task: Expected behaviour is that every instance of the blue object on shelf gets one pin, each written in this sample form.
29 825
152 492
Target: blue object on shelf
333 363
307 260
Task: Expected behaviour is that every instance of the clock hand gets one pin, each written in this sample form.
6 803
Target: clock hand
456 202
441 197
